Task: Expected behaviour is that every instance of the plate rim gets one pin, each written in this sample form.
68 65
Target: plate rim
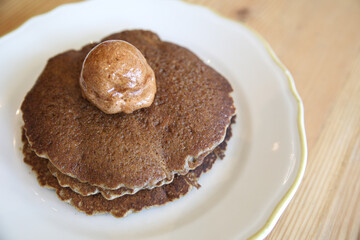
285 200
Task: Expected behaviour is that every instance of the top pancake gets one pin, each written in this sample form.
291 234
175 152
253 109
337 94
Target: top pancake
188 118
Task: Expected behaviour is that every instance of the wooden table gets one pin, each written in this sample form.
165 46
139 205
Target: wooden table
319 41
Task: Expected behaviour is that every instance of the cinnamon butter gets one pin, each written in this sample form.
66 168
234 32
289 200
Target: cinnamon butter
116 77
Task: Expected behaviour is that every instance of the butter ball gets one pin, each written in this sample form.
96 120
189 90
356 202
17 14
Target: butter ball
116 78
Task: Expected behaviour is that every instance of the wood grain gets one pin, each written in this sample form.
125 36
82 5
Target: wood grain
319 41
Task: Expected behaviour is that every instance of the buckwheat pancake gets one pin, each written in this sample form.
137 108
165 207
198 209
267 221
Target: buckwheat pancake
85 189
188 118
124 205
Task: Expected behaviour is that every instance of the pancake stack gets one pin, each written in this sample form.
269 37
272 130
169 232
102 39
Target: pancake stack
122 163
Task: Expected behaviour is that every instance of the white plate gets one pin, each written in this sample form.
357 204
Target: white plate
242 197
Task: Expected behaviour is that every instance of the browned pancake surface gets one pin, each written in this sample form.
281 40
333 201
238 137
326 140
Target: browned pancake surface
86 189
124 205
189 116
